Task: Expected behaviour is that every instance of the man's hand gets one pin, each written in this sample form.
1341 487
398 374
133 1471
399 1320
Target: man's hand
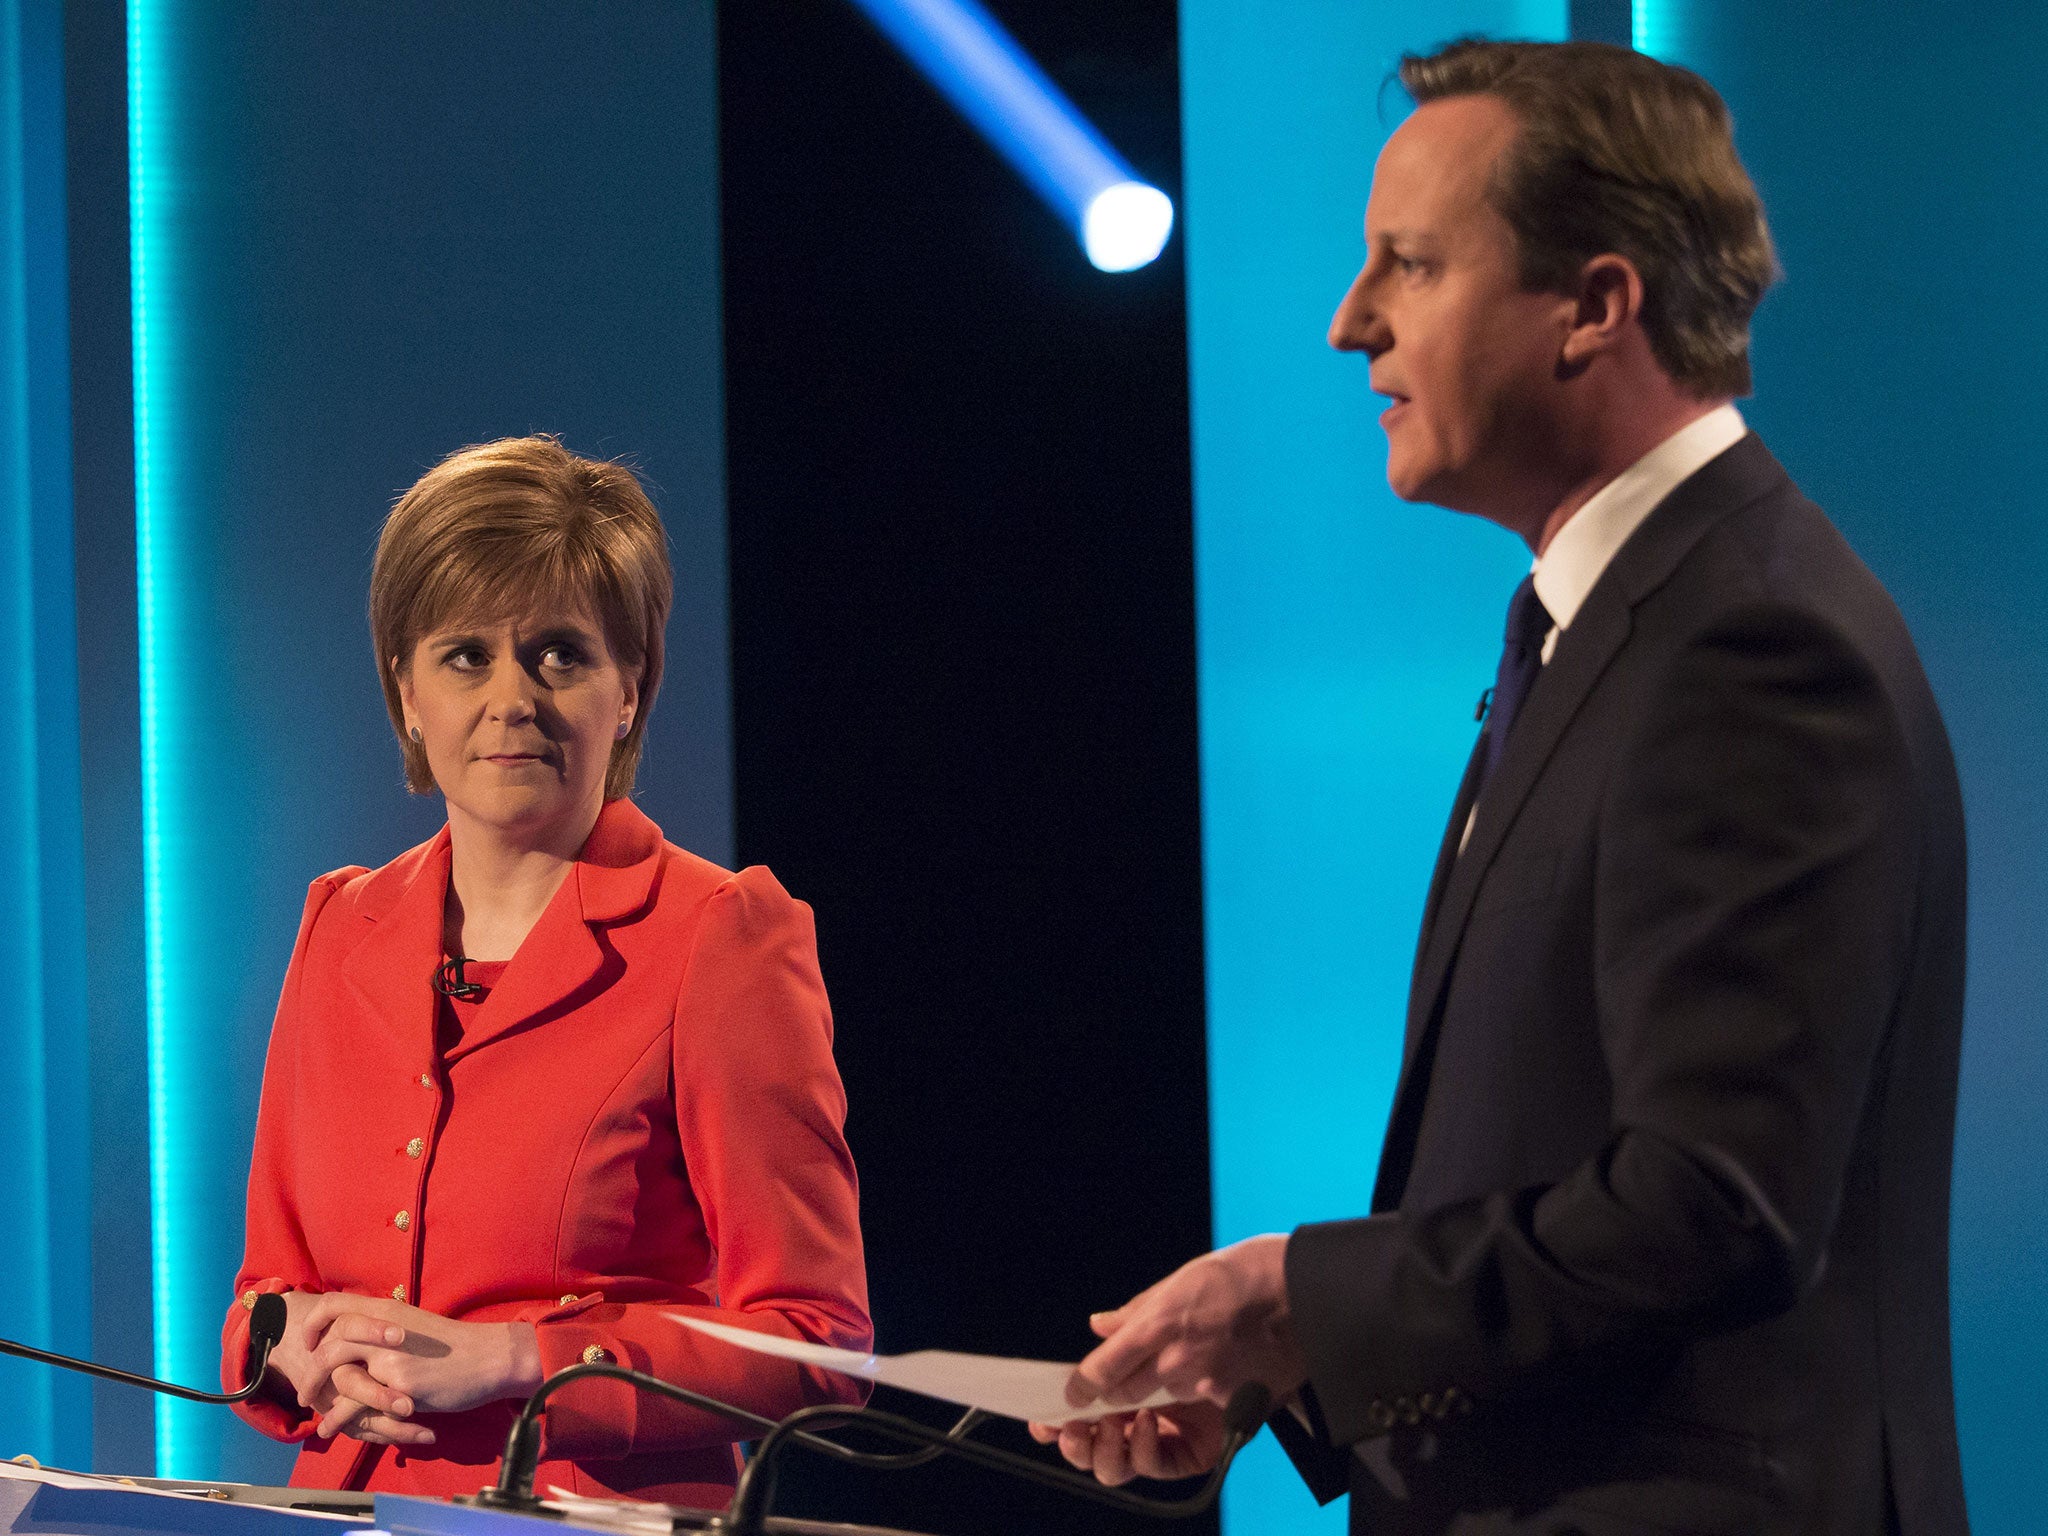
1165 1443
1202 1332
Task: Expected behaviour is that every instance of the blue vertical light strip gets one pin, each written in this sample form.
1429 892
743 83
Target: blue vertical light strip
1342 636
179 1296
25 1290
1654 27
45 1194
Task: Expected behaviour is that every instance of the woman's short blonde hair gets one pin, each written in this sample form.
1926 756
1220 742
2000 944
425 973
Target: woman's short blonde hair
517 527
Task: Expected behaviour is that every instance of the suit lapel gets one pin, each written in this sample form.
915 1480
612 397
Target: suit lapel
391 970
1447 850
563 962
1582 654
1735 479
556 961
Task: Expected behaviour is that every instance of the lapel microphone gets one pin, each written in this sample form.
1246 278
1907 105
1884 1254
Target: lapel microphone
449 981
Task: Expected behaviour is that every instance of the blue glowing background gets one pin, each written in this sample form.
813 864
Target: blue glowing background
45 1263
1343 636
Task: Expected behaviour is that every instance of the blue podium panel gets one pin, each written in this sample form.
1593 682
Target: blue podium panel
398 1515
401 1516
54 1510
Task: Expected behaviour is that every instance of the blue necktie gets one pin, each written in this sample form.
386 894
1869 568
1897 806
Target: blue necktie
1521 658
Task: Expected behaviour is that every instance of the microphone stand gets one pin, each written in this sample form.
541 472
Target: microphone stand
514 1488
748 1513
266 1327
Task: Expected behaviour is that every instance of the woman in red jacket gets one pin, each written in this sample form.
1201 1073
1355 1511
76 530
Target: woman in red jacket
544 1080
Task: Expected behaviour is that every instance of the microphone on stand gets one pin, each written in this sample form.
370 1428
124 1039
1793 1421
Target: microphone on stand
516 1468
266 1327
748 1513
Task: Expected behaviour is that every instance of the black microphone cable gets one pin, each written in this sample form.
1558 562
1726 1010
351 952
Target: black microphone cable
748 1513
266 1327
1246 1412
514 1488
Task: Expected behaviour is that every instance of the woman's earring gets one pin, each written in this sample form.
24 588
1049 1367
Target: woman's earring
625 726
414 733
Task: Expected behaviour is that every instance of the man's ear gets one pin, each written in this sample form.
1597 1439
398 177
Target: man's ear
1610 300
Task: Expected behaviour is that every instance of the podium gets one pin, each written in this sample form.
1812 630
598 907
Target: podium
79 1506
64 1504
402 1516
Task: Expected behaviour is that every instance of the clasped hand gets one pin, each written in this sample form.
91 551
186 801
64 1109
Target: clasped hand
366 1365
1212 1325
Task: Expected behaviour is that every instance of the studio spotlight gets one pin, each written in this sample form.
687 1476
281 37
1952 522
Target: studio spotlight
1121 221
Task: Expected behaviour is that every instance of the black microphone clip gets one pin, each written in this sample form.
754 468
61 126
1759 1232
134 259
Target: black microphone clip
449 982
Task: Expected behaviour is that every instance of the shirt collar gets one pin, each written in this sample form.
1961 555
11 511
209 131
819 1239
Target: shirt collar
1580 550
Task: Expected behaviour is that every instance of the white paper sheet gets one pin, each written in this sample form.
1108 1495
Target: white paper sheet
1033 1390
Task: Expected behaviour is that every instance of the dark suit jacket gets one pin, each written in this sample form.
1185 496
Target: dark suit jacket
1660 1238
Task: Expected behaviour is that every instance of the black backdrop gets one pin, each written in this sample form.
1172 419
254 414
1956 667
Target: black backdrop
963 672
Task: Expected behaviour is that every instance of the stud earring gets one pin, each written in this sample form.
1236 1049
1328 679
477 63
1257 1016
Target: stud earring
414 733
624 726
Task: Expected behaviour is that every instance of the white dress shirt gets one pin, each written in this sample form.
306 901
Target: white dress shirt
1579 551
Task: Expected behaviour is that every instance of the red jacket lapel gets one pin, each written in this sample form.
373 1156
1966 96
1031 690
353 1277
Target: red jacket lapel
563 963
392 970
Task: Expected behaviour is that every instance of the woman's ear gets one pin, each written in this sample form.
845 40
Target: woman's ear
629 707
408 704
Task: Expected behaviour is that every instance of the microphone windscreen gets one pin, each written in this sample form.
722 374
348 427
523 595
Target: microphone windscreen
1247 1409
266 1322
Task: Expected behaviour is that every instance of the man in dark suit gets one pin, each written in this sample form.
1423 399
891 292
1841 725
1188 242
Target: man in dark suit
1659 1241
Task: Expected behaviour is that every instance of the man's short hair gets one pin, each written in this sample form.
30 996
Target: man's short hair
1619 153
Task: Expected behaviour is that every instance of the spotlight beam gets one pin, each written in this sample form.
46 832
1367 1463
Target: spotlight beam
1121 220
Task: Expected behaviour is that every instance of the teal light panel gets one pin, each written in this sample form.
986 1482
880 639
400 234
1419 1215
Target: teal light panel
186 1285
45 1195
1343 635
1656 28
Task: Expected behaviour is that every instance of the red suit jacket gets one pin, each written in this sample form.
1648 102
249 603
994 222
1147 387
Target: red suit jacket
644 1117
